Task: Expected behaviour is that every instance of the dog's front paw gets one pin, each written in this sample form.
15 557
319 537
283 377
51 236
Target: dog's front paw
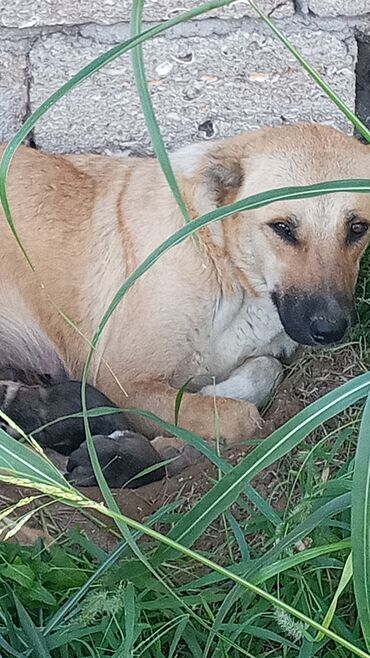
239 421
122 456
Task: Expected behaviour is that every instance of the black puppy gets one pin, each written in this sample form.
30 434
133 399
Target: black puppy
120 454
33 400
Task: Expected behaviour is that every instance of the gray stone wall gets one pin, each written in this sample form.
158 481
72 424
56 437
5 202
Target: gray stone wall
213 77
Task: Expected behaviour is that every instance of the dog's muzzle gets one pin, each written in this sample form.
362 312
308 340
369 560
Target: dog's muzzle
314 318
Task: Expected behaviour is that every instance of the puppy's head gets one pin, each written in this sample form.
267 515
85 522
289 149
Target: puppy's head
303 253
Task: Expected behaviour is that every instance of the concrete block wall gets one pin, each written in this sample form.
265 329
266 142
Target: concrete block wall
212 77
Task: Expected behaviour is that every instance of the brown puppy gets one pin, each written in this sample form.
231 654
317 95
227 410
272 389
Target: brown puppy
222 311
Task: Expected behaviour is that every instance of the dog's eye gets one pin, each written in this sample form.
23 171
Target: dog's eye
284 230
356 230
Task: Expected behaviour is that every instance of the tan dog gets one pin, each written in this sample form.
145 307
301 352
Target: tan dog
225 310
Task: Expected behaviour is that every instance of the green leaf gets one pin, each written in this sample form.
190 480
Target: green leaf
66 577
19 573
40 594
180 629
361 525
239 536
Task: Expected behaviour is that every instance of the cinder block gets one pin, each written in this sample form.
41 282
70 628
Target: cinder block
30 13
13 89
201 88
339 7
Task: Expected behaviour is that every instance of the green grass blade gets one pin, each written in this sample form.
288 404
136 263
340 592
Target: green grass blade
31 632
239 535
177 636
329 91
279 443
266 571
344 580
18 459
148 111
179 396
361 525
130 621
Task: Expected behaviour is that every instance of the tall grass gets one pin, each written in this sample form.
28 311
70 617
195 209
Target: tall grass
281 603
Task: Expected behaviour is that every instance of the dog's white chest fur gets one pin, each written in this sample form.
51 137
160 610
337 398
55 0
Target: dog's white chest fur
243 328
237 328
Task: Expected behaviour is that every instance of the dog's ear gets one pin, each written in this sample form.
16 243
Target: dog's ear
219 178
211 173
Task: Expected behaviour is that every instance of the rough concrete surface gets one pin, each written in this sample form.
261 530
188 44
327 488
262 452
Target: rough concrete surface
13 91
30 13
201 87
339 7
211 77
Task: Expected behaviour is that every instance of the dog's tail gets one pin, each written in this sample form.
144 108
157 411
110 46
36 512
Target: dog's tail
25 347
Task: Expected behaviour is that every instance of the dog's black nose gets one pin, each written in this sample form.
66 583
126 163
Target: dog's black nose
325 331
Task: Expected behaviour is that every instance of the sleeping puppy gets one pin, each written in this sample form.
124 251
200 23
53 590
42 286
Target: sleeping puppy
219 313
33 400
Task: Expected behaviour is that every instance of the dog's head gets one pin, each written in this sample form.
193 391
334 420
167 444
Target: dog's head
303 253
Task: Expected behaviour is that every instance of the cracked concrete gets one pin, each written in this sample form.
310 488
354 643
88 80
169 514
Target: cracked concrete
211 77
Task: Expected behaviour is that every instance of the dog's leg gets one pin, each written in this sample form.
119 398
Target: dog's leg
254 381
239 419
